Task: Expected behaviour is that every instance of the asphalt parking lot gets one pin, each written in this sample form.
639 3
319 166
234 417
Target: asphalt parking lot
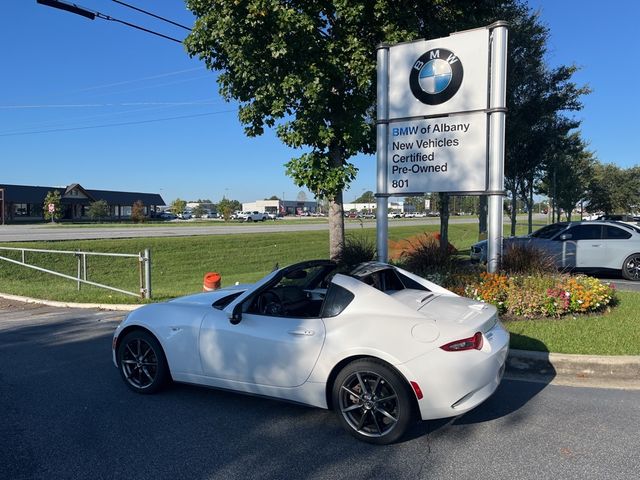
67 414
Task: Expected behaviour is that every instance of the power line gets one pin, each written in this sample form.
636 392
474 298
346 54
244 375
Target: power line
114 124
152 15
95 105
93 14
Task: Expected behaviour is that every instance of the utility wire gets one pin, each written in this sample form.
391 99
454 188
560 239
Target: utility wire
92 14
115 124
138 27
152 15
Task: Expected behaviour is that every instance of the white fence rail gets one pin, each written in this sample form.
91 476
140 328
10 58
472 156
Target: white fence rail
144 267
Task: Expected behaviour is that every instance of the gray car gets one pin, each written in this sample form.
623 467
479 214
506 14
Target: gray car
582 246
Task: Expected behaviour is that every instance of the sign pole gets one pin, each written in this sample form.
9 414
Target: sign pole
497 113
2 204
382 132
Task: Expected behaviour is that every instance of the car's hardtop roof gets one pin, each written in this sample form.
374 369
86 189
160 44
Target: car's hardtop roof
367 268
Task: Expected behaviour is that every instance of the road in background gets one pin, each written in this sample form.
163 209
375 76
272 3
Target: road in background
44 232
67 414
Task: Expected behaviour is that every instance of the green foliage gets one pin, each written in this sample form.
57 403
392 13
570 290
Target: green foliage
614 189
137 212
198 211
53 197
226 208
178 206
539 101
316 172
366 197
358 248
308 68
526 260
98 210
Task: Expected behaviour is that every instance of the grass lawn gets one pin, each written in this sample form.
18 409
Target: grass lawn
179 264
614 333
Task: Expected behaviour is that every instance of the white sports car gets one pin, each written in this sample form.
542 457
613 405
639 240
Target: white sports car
379 345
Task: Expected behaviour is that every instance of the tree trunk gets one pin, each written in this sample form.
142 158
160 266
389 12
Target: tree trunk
483 208
444 222
530 207
336 227
514 210
336 214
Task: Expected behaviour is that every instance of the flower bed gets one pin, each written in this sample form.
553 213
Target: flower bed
540 296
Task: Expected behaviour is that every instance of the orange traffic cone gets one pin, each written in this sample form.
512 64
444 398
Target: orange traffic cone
211 281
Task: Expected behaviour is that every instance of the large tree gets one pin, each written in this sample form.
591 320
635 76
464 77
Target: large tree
538 99
307 67
613 189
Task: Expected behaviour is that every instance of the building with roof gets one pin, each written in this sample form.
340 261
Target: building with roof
26 202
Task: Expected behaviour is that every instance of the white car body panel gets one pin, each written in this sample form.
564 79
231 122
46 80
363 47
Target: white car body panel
293 358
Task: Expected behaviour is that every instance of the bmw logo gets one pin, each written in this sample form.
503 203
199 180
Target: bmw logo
436 76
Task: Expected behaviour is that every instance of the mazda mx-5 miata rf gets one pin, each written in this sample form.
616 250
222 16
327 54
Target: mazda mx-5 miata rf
380 345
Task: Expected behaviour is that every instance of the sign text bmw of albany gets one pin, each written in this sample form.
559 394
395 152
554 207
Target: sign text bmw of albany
437 135
445 154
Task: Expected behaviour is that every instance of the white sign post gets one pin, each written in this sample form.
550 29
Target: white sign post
440 122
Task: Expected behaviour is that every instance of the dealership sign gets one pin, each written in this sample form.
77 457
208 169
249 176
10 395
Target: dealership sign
437 101
440 121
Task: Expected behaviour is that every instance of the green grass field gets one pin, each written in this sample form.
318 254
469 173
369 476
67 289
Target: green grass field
179 264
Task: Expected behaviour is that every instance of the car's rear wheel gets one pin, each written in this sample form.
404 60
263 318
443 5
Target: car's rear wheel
142 363
631 267
373 401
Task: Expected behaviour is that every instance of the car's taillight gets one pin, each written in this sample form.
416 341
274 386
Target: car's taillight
471 343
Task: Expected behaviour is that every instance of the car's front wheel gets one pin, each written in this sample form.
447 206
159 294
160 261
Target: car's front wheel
373 401
142 363
631 267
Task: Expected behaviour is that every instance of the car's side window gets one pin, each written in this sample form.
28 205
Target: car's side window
585 232
615 233
337 299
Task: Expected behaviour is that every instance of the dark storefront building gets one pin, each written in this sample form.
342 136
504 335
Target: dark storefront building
25 202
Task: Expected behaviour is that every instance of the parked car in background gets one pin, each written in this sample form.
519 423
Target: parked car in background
167 216
184 215
588 246
253 216
379 345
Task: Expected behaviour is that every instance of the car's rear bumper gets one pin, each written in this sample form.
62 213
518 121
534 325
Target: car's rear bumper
453 383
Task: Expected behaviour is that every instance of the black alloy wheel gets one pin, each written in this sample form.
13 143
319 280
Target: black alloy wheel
631 267
142 363
373 401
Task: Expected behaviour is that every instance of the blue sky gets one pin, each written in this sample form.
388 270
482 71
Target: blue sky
109 107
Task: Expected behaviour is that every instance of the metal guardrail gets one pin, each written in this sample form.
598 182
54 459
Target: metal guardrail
144 267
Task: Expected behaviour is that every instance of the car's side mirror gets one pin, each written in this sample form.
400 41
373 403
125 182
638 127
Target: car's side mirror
236 314
566 236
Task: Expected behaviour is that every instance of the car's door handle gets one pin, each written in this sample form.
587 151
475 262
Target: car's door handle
301 332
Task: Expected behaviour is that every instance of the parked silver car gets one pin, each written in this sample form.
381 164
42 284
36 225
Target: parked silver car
582 246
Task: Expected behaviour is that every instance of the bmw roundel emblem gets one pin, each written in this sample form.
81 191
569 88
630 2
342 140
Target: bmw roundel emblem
436 76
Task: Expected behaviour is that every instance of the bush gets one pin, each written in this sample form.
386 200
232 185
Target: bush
137 212
519 258
357 249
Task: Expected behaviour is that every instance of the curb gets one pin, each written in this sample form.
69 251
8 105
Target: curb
619 371
53 303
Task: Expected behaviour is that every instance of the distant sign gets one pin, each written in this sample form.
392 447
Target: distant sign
445 154
52 208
